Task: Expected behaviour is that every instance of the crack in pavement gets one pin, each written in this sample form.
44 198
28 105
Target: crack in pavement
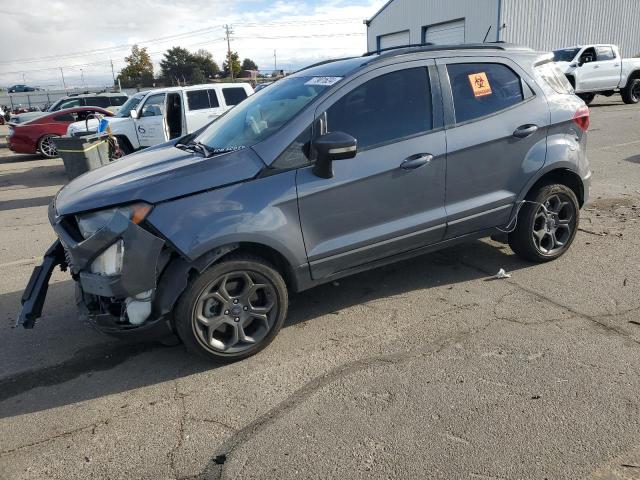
171 454
215 468
592 318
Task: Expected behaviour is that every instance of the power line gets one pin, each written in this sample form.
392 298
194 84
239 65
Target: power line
201 31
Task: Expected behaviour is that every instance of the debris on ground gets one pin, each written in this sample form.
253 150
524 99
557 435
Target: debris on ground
502 274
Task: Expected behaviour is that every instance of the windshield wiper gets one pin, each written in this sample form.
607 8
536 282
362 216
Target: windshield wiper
195 147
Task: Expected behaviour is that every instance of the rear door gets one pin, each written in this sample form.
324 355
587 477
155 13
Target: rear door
606 68
378 204
203 107
497 120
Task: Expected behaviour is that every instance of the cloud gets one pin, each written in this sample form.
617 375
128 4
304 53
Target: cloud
300 31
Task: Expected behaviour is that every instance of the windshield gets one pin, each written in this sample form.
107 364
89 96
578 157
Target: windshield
56 106
131 104
565 55
263 113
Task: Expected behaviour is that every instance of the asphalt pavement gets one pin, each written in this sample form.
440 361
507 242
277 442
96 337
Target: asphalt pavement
429 368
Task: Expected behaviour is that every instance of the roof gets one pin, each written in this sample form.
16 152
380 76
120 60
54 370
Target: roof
344 66
379 12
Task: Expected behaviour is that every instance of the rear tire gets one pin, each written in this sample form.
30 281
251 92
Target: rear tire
631 92
46 147
587 97
233 309
546 233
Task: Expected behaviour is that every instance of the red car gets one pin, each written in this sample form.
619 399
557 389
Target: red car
35 136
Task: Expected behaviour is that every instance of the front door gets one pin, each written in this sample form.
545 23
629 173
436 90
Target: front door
389 198
150 124
496 140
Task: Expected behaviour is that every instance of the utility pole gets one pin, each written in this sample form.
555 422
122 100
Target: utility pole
23 79
64 84
82 78
113 73
275 61
229 31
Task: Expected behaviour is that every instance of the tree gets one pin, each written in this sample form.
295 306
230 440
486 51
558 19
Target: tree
205 62
181 66
139 69
177 65
235 62
248 64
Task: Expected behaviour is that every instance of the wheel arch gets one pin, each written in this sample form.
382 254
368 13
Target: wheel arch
563 176
180 271
632 76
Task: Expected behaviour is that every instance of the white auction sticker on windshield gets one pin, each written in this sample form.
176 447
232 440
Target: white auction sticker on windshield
324 81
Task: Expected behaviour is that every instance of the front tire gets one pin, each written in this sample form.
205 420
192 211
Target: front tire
547 224
631 92
46 147
232 310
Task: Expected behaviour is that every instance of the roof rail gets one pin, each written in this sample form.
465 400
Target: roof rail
430 47
324 62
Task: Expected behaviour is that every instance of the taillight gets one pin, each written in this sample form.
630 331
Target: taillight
581 118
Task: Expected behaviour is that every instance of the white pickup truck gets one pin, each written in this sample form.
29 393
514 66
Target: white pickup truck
156 116
600 70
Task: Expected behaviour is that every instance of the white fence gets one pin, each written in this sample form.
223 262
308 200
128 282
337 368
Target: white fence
42 98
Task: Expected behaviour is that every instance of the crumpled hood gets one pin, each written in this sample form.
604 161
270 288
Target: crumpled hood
154 175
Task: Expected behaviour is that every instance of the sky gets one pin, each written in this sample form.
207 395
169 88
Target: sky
37 37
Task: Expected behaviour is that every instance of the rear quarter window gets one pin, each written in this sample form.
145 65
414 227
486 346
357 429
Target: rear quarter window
234 95
550 76
481 89
102 102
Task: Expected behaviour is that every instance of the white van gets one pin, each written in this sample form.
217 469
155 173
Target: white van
156 116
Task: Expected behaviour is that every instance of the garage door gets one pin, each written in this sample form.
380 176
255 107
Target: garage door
393 39
449 33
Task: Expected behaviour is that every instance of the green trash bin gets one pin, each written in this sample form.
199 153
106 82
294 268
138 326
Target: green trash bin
83 153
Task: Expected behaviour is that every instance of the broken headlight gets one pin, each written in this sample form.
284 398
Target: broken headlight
109 262
90 223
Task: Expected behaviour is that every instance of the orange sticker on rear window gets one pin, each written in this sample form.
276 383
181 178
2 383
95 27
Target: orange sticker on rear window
480 84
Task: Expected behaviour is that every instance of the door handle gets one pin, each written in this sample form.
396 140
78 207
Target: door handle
596 66
416 161
525 130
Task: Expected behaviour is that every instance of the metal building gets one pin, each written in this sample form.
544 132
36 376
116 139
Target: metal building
540 24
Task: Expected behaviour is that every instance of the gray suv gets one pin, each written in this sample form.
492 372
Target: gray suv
341 167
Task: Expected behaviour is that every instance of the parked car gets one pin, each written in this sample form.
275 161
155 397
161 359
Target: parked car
35 136
600 70
106 100
155 116
22 88
336 169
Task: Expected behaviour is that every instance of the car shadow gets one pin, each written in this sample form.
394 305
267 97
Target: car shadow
34 177
633 159
25 203
20 157
155 363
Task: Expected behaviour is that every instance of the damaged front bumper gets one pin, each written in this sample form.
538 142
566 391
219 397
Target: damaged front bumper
103 300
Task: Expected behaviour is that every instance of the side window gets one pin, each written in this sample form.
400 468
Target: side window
117 101
97 102
481 89
589 55
385 109
198 99
605 53
154 106
66 117
213 99
297 154
233 95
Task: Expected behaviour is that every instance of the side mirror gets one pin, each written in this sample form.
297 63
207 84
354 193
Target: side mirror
134 114
574 64
330 147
